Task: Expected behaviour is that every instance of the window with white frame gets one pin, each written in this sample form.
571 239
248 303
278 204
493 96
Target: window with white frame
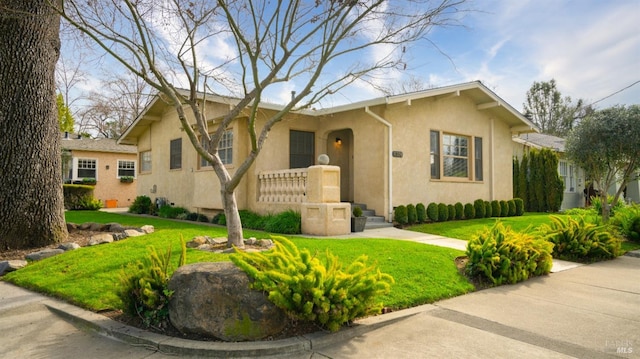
455 156
126 168
86 168
145 161
566 172
225 149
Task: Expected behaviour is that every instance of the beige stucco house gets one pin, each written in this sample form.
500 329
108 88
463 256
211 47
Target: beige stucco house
104 160
444 144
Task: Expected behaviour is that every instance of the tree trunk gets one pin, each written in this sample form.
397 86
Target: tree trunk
234 225
31 200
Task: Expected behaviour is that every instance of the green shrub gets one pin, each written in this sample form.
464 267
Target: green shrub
504 208
357 211
141 205
173 212
627 222
78 197
421 213
488 210
501 255
511 205
219 219
519 206
287 222
432 211
452 212
579 240
88 203
478 205
251 220
459 210
89 181
315 290
443 212
412 215
469 211
400 215
614 207
144 286
495 208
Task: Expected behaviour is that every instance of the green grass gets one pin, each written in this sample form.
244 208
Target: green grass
89 276
466 229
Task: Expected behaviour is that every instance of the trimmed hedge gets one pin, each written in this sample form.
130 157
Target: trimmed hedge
400 215
421 213
443 212
432 211
478 205
469 211
412 215
487 209
459 210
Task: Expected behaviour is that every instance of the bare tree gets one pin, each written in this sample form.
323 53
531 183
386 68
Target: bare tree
322 46
110 111
31 202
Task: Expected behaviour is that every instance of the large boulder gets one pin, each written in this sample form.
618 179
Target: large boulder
214 300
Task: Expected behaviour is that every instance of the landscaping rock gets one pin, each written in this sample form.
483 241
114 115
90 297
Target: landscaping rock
133 233
100 239
45 253
115 227
11 265
70 246
214 300
198 241
148 229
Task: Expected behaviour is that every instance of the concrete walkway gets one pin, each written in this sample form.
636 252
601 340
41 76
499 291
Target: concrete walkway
590 311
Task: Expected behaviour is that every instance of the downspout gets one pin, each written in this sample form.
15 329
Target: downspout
389 158
491 153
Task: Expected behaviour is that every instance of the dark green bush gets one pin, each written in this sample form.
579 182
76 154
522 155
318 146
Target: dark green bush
478 205
495 208
141 205
219 219
452 212
511 205
579 240
421 213
80 197
519 206
412 215
443 212
144 286
469 211
315 290
287 222
251 220
459 210
432 211
488 210
501 255
173 212
400 215
504 208
357 211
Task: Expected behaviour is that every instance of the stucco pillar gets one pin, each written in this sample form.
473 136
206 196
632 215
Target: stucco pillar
323 214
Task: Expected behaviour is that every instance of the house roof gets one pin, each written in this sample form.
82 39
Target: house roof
484 98
72 142
541 140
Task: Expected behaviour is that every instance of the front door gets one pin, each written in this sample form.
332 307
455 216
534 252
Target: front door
340 152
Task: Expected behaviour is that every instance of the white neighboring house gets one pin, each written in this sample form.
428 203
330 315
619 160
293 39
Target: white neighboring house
572 175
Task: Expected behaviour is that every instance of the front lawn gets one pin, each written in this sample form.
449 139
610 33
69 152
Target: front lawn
466 229
89 277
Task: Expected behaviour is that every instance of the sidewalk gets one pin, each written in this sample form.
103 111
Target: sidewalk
590 311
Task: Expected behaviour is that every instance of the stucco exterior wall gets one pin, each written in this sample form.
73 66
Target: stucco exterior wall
108 185
362 156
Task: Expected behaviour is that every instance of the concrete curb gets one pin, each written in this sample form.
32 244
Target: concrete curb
177 346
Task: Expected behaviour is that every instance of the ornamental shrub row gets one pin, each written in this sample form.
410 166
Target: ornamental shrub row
440 212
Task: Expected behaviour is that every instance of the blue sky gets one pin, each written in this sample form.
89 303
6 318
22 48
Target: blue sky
590 47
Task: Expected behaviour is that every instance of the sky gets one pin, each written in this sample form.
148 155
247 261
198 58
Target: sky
590 47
